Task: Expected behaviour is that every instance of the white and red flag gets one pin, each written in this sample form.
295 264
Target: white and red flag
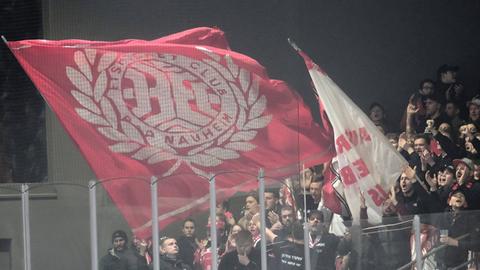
179 107
366 160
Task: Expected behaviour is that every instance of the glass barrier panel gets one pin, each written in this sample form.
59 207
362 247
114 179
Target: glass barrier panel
59 227
11 227
123 221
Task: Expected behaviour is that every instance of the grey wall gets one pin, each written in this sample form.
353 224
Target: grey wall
375 50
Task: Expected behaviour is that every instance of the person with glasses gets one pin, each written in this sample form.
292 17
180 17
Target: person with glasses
323 245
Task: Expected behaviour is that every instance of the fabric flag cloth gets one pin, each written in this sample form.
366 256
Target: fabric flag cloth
332 191
183 108
367 162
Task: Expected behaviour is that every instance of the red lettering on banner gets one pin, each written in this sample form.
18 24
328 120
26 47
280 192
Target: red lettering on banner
348 177
361 168
378 195
364 136
381 191
348 173
376 198
342 144
352 136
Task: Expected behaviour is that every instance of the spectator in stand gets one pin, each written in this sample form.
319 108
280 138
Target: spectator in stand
449 87
120 257
413 197
272 207
203 254
416 100
474 112
284 225
457 223
441 182
323 245
469 142
223 209
231 244
426 87
423 159
187 243
405 145
314 199
433 110
305 179
393 139
378 116
169 259
244 257
254 229
452 110
476 170
471 189
334 221
250 209
288 254
347 257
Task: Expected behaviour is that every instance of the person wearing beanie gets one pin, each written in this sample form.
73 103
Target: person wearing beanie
120 257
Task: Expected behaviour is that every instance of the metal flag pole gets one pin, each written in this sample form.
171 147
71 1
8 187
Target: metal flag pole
263 224
154 202
213 224
26 227
93 224
418 245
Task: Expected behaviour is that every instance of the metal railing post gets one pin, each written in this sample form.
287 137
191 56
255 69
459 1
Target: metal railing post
213 224
418 244
93 224
155 232
26 227
263 224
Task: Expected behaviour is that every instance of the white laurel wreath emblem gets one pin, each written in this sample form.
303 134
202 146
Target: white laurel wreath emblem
91 83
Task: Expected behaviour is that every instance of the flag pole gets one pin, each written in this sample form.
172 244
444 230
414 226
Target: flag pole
306 234
263 225
154 201
293 44
213 224
4 40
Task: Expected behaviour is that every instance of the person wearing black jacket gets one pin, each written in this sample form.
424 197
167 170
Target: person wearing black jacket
465 183
120 257
323 245
169 256
462 232
187 243
244 257
413 198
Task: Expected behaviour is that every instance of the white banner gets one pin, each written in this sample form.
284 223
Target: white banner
367 161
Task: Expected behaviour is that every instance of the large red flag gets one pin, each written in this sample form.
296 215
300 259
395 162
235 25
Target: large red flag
182 104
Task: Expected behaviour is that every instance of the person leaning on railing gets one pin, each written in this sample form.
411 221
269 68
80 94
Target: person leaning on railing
459 230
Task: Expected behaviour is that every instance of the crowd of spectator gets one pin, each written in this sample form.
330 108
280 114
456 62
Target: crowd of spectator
440 140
